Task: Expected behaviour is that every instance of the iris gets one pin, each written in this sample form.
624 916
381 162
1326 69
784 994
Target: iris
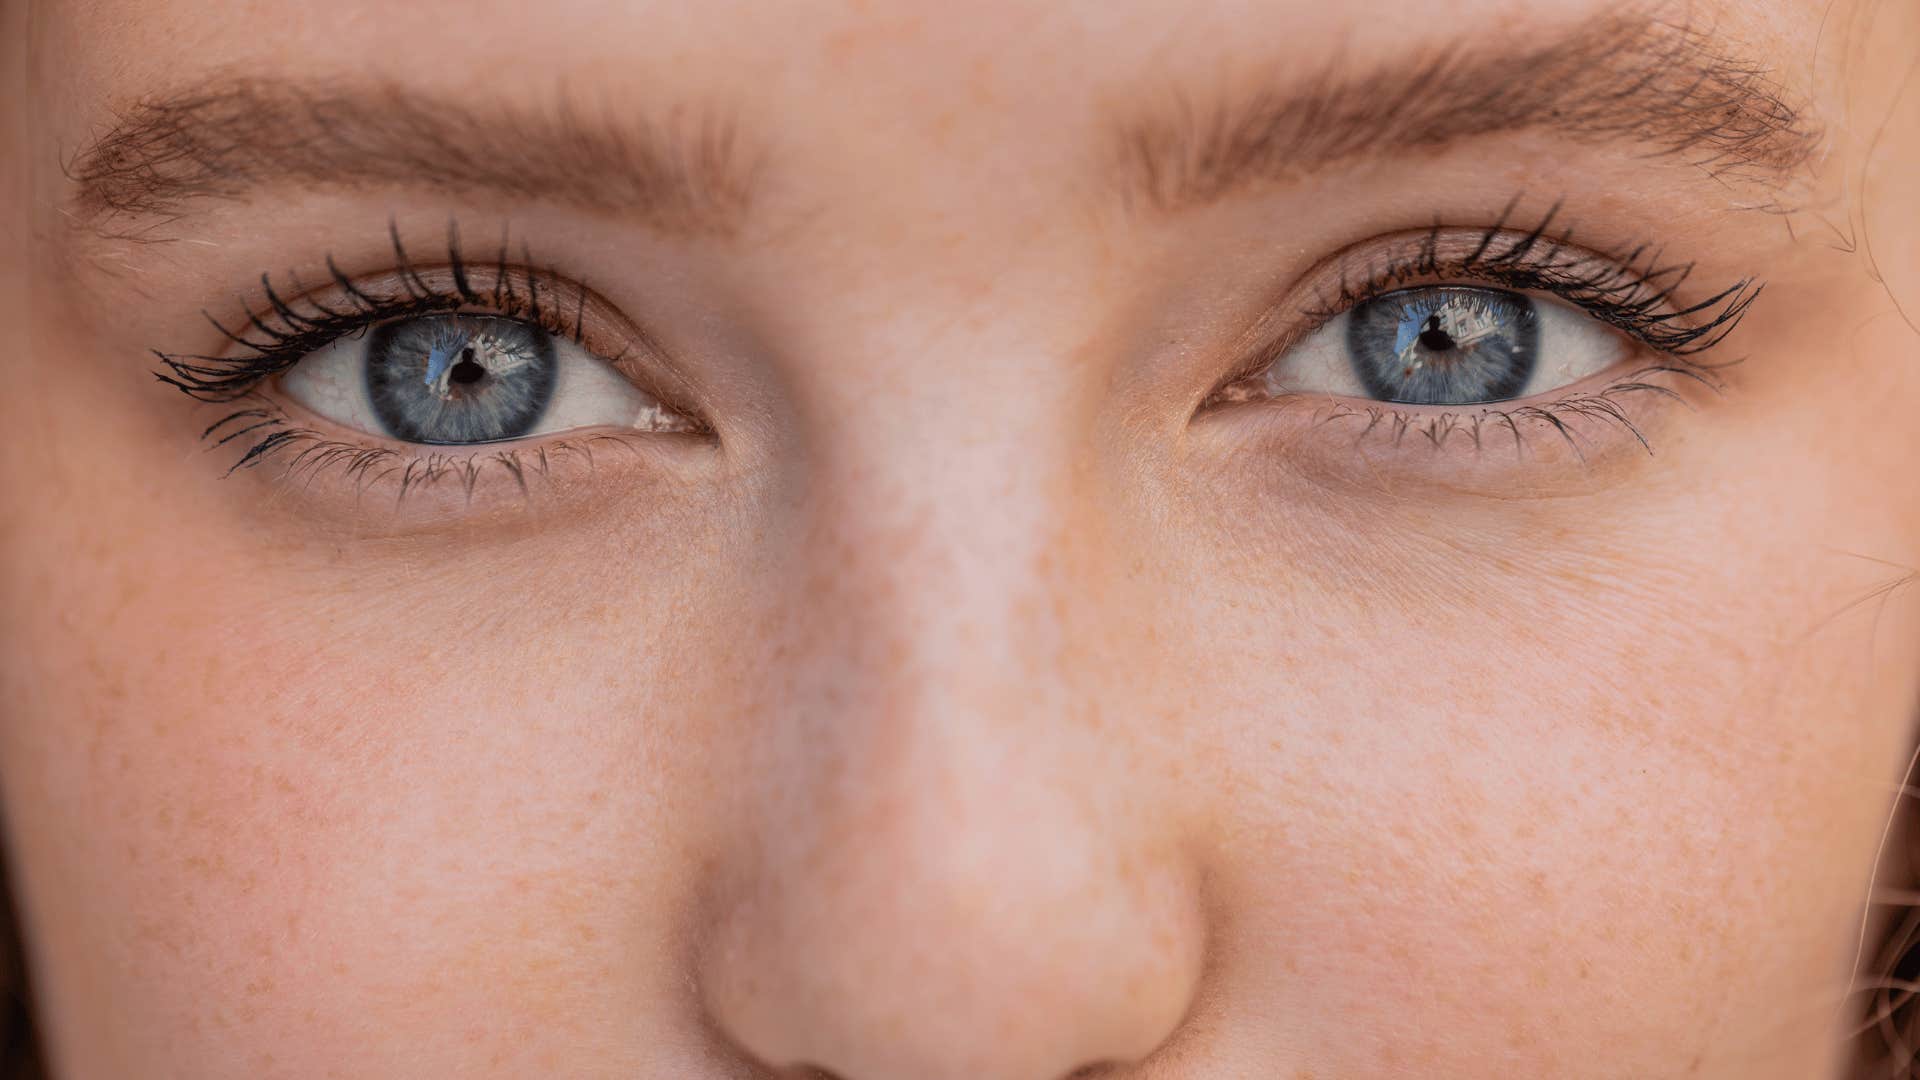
1444 345
459 378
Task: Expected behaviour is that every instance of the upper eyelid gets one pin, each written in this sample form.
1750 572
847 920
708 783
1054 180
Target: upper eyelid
1636 290
1361 270
310 315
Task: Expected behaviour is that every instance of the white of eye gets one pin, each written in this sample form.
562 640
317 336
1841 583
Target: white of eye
1573 346
588 392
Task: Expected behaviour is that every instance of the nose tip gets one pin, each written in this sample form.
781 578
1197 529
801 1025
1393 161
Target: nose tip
992 940
951 864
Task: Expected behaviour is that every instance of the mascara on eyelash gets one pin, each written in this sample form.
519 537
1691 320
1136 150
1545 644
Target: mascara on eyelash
274 346
1610 288
1613 289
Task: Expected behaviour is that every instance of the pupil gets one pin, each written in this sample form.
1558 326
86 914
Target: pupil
468 371
1433 337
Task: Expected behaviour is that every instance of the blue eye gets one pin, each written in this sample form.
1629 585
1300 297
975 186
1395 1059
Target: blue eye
1444 345
1447 345
467 379
459 378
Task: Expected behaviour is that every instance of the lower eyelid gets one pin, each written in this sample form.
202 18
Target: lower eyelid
341 474
1566 441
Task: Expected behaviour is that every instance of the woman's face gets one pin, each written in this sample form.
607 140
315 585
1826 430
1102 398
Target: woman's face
960 541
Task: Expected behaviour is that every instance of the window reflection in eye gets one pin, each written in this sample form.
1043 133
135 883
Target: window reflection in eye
465 379
1449 345
1436 331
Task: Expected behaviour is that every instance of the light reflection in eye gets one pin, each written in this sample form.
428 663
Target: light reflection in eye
1449 345
461 379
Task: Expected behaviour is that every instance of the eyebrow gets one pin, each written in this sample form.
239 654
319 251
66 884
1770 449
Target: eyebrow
228 139
1661 88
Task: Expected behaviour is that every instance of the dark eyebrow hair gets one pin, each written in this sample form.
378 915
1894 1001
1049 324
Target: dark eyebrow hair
1629 77
229 138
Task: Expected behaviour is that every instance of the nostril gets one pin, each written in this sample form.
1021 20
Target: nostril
810 1072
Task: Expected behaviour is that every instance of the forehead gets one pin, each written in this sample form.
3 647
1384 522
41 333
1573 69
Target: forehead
941 64
888 104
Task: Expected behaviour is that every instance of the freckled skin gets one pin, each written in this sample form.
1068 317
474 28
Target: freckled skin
979 709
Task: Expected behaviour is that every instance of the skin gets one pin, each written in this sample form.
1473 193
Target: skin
973 704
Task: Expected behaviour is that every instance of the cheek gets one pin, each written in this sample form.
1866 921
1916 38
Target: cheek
1464 832
292 880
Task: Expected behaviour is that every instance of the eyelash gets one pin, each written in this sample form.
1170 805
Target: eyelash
1613 291
278 337
1618 291
229 378
1632 292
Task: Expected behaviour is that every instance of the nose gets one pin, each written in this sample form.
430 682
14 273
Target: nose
956 869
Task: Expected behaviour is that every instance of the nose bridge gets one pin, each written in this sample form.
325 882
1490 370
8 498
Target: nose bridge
939 562
931 694
947 879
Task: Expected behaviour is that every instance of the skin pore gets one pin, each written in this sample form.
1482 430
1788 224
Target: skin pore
995 676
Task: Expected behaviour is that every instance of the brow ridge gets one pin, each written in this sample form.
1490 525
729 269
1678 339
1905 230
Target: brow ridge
1662 88
227 139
